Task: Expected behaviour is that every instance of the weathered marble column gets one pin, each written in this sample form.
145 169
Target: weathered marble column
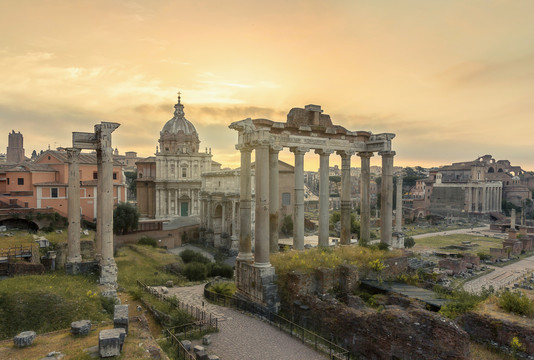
245 212
324 185
365 197
233 221
512 220
223 216
469 199
345 234
73 252
476 199
274 203
484 199
500 199
398 212
261 233
298 224
98 250
386 206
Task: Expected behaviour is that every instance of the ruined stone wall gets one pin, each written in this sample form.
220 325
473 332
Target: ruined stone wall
447 200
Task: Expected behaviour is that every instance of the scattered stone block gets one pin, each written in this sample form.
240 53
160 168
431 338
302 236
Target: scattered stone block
56 355
85 232
109 342
169 284
206 340
120 317
186 344
80 328
164 290
43 242
139 308
59 231
198 348
202 355
24 339
3 228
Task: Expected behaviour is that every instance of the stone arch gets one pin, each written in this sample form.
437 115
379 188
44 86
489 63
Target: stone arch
217 218
491 170
500 170
19 223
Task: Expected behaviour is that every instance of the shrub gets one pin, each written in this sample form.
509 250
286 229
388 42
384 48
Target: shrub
147 240
196 271
220 269
462 302
125 218
223 288
383 246
515 302
409 242
189 256
287 226
483 256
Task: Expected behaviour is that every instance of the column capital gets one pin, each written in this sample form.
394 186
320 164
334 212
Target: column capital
365 154
244 147
324 152
274 149
387 153
72 154
299 150
345 153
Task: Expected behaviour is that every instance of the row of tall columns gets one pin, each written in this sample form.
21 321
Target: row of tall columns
164 206
484 198
274 205
261 229
386 205
298 223
324 168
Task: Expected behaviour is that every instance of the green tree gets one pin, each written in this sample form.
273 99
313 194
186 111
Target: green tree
125 218
287 226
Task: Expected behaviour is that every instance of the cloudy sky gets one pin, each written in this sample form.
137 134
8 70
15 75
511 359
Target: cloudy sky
453 79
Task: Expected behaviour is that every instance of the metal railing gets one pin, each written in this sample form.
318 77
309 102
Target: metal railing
182 352
306 336
17 252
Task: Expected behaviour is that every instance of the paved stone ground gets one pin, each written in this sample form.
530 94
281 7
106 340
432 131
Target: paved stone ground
242 336
502 277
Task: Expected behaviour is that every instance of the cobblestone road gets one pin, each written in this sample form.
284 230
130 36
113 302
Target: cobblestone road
502 277
242 336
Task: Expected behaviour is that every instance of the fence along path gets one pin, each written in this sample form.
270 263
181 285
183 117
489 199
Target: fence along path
242 336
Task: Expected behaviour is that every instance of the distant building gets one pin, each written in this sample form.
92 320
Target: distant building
168 185
128 160
15 148
43 184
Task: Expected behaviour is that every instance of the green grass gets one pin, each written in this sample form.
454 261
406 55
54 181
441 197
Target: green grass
439 241
44 303
22 237
144 263
411 230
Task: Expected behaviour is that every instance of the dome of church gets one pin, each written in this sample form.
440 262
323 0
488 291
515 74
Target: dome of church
179 122
179 135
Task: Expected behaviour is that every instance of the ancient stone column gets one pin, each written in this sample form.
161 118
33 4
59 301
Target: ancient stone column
245 200
398 212
261 234
324 185
484 199
73 251
500 199
345 234
476 199
512 220
386 206
469 199
274 203
99 203
365 197
223 217
233 220
298 224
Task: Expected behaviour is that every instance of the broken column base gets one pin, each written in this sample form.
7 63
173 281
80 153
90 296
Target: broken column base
108 273
397 240
258 285
85 267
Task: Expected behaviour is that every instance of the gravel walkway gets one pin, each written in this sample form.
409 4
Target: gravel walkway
242 336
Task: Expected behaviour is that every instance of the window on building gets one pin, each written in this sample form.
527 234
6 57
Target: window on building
114 176
184 172
95 175
53 192
20 181
286 199
8 181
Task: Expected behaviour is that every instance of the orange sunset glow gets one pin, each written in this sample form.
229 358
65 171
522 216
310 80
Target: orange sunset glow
453 79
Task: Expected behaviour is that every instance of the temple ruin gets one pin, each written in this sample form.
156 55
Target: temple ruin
305 130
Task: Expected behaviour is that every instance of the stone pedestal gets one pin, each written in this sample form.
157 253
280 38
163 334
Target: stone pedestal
120 317
110 342
258 284
108 273
80 328
24 339
397 240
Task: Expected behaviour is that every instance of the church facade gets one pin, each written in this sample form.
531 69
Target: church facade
168 184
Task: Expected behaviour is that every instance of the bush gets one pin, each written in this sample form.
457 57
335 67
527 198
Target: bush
189 256
125 218
220 269
515 302
223 288
287 226
383 246
196 271
462 302
147 240
409 242
484 256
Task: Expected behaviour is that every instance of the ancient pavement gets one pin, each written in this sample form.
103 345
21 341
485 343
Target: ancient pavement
242 336
502 277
